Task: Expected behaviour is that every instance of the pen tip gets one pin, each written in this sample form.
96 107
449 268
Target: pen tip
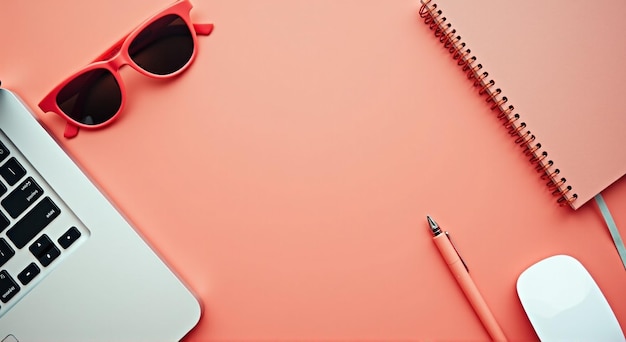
431 222
434 227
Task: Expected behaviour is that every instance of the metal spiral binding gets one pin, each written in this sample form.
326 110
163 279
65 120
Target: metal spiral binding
523 137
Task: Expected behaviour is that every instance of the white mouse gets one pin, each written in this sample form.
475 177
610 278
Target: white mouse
564 303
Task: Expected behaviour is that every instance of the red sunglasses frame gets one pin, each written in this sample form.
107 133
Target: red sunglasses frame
117 56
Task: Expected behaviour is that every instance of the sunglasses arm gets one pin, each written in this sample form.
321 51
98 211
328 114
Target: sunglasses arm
71 130
203 29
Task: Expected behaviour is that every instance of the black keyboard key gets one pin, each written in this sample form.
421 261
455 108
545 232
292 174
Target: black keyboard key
28 274
12 171
6 252
8 287
33 222
48 256
69 237
40 245
22 197
4 152
4 222
3 189
44 250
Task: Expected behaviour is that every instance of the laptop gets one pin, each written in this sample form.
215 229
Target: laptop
71 267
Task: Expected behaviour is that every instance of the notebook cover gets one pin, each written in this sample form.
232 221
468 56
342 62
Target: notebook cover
287 175
561 65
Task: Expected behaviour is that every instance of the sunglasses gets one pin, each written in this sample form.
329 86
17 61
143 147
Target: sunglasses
163 46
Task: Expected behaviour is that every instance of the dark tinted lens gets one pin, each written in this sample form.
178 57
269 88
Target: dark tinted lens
163 47
91 98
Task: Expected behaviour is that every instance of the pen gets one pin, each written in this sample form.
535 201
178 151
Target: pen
461 273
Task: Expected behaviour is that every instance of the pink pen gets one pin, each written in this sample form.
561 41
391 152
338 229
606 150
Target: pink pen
461 273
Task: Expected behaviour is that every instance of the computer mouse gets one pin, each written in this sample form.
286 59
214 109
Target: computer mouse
564 303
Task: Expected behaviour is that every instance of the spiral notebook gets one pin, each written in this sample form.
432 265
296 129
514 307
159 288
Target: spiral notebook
554 73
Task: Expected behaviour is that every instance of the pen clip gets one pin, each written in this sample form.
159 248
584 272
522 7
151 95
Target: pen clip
457 251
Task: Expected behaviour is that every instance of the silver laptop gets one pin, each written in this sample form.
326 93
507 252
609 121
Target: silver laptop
71 267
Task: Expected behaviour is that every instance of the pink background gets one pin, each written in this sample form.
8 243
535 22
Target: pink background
287 174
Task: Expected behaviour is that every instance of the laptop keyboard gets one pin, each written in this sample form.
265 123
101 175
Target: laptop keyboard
37 230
